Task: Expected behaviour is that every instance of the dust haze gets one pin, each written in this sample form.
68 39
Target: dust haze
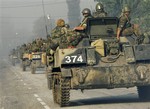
21 21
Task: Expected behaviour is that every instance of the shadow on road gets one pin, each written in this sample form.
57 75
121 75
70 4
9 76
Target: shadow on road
129 98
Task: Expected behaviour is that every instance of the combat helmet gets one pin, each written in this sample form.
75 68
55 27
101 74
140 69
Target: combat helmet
126 9
86 11
99 7
67 25
60 23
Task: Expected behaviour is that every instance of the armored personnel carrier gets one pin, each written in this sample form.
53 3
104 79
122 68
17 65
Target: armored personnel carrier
13 57
100 61
37 61
25 61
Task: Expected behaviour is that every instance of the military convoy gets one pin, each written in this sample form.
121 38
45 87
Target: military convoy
37 61
25 61
100 61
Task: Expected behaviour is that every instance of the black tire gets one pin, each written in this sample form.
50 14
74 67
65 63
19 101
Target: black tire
144 92
23 68
54 89
33 69
49 83
13 62
61 91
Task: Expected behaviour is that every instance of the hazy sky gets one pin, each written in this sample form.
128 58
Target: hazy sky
24 12
17 17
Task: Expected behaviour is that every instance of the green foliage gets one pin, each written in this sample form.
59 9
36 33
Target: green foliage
139 10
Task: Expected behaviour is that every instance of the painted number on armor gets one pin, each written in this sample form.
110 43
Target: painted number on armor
36 56
73 59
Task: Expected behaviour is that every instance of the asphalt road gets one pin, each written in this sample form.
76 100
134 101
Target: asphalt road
23 90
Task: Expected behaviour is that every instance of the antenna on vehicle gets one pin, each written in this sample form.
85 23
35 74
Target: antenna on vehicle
44 18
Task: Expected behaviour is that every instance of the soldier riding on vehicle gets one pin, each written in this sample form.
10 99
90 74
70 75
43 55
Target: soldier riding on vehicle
87 14
99 11
58 32
125 28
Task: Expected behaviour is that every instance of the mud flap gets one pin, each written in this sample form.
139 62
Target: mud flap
66 73
91 60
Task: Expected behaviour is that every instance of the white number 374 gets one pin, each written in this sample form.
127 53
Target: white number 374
73 59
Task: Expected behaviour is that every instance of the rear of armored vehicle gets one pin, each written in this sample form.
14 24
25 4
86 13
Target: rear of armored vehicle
38 60
100 61
25 57
25 61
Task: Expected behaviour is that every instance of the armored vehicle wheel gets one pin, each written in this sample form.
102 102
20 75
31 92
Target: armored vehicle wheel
13 62
33 68
61 90
49 82
143 92
23 67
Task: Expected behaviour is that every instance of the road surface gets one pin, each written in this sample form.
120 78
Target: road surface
23 90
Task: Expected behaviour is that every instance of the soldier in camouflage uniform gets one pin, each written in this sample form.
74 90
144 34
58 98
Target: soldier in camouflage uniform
59 30
70 39
73 37
99 11
23 49
125 27
43 46
87 14
34 46
57 33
